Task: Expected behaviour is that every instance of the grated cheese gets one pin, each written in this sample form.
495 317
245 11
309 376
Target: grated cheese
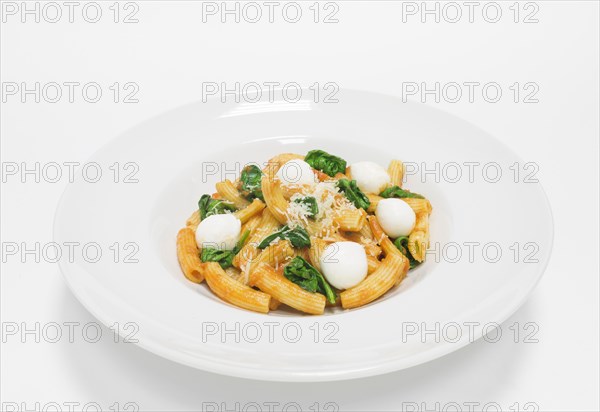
330 201
297 213
275 241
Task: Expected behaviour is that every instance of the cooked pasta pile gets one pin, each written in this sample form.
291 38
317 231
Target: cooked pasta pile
306 232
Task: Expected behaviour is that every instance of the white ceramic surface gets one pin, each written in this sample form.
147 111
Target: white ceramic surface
177 154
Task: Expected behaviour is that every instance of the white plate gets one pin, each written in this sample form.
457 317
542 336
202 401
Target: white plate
177 319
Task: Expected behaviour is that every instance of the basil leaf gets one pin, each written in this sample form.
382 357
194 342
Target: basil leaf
396 191
303 274
325 162
298 237
209 206
224 257
250 183
402 244
313 208
353 193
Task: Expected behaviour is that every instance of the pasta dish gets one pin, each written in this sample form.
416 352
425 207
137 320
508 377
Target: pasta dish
307 232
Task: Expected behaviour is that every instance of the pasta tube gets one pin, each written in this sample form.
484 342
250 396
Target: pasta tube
274 199
418 240
267 280
189 255
374 199
419 205
396 172
275 163
251 210
378 283
267 225
351 220
252 223
275 255
234 292
384 241
194 220
317 247
372 264
228 191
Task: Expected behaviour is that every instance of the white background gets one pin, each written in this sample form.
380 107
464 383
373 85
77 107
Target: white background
170 52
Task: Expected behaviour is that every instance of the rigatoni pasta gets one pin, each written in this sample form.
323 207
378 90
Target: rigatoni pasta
351 220
419 205
374 286
233 291
307 232
193 221
189 255
228 191
265 278
249 251
396 172
250 211
274 198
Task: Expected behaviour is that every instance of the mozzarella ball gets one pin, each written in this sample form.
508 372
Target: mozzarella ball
344 264
219 232
370 177
296 172
396 217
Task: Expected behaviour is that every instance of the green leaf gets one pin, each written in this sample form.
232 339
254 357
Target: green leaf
311 202
240 244
353 193
325 162
209 206
402 244
396 191
298 237
224 257
250 183
303 274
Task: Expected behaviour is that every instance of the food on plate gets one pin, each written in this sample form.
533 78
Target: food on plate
306 232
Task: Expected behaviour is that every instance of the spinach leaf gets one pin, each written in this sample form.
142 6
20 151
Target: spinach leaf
313 208
325 162
303 274
298 237
402 244
240 244
400 193
209 206
353 193
224 257
250 183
